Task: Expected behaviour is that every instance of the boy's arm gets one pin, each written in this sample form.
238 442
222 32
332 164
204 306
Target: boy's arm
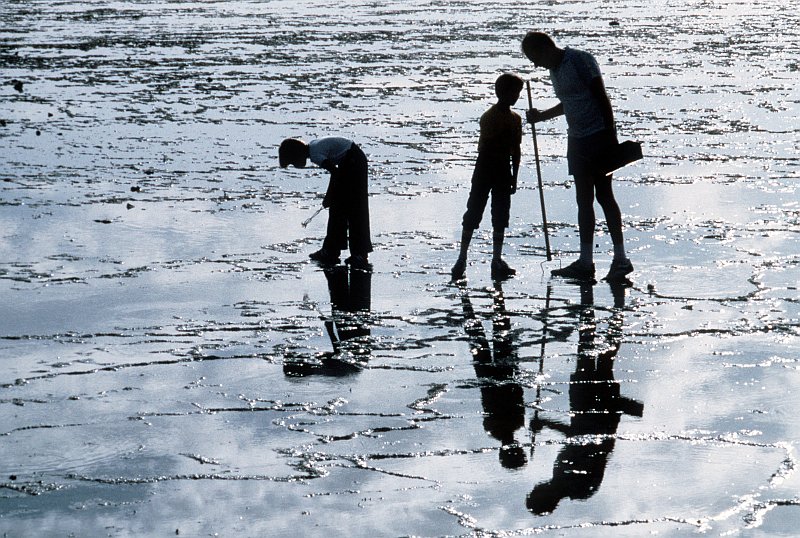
334 171
515 156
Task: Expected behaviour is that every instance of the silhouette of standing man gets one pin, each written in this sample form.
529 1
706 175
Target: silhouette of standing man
592 134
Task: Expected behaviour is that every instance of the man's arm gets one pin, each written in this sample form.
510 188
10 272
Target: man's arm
535 115
598 90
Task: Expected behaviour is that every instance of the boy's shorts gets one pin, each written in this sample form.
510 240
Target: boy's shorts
491 175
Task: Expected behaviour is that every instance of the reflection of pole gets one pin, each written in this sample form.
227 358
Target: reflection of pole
539 177
534 422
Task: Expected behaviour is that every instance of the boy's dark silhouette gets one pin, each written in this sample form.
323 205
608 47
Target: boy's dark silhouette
495 172
347 197
592 134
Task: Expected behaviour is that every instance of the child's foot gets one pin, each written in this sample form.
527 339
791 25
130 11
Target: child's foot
501 270
619 269
576 270
325 256
458 270
359 261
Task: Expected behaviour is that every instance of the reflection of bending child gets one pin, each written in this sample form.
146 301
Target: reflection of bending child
347 196
496 173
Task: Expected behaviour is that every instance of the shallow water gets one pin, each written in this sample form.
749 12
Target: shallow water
167 360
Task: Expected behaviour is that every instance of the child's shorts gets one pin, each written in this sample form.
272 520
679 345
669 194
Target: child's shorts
491 175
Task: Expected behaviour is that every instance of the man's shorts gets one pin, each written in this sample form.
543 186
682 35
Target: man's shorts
585 156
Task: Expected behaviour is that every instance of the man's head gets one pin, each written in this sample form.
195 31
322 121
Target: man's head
293 151
540 49
508 87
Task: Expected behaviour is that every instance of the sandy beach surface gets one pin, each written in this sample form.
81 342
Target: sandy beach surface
171 362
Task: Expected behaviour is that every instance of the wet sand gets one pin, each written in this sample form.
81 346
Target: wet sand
172 363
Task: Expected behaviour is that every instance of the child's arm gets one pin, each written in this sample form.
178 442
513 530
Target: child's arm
515 156
332 184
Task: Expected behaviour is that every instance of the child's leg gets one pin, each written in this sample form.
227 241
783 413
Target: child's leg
460 267
354 172
498 235
476 203
466 239
501 211
336 234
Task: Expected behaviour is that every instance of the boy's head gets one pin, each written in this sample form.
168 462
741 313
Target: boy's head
538 47
293 151
508 87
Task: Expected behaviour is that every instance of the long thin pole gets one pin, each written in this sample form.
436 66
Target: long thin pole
539 177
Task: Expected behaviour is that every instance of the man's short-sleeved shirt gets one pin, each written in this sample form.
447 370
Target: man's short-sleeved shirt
331 149
571 80
501 132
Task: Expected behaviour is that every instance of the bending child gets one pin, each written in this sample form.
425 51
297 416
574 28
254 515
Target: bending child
346 198
495 172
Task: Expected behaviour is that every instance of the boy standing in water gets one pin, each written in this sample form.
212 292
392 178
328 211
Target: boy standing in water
346 197
592 134
495 172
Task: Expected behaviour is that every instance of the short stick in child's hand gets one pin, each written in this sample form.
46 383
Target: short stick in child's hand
309 219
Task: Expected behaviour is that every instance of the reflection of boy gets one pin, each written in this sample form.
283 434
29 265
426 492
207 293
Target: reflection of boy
495 172
346 197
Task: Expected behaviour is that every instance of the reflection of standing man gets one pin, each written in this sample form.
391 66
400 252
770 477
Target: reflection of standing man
496 366
592 134
596 408
348 327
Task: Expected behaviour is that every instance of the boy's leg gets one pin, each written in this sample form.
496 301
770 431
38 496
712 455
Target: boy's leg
501 210
498 235
355 170
476 203
466 239
457 272
335 236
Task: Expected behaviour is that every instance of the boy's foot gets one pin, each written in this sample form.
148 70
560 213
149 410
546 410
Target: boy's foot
359 261
619 269
458 270
576 270
325 256
501 270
